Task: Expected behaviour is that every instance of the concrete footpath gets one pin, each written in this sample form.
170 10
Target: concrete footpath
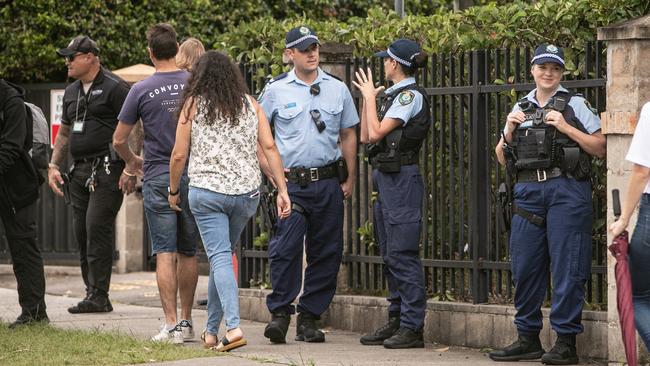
137 312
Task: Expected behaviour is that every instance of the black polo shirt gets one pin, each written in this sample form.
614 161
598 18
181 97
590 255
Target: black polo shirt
98 109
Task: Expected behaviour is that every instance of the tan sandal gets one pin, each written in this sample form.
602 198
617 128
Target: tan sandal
206 344
226 346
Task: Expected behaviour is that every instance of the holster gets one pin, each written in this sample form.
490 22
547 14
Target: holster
342 170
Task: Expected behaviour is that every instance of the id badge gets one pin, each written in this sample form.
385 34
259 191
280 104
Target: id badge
78 127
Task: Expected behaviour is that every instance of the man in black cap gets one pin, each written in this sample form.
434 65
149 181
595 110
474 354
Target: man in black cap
547 144
311 111
19 187
92 182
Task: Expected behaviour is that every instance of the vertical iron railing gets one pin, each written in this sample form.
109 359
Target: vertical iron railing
464 255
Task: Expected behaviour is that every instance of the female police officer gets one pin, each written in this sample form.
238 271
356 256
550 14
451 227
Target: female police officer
553 134
396 134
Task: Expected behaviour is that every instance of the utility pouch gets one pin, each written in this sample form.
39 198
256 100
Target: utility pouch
582 170
342 170
388 163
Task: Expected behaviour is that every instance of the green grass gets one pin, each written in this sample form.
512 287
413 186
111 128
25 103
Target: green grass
46 345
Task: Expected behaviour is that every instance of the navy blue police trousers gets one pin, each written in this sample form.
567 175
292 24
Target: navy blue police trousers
320 230
398 221
564 243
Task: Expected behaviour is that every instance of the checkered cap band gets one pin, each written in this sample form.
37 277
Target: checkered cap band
297 41
401 61
548 55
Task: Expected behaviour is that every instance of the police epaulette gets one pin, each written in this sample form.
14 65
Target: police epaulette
279 77
332 75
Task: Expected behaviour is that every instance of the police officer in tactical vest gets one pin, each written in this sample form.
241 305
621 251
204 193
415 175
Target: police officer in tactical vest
547 144
311 112
395 135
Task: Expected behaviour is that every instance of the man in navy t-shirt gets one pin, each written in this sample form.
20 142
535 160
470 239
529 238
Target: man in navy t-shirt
174 235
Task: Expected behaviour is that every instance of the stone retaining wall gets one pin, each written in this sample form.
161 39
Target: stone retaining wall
449 323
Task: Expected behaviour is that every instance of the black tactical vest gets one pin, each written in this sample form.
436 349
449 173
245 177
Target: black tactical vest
542 146
402 145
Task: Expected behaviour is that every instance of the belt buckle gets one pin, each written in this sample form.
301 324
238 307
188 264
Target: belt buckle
313 174
541 177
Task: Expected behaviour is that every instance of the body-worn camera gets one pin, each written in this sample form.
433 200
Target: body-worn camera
535 115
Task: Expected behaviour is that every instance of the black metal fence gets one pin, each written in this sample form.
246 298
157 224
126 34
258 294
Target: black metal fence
464 255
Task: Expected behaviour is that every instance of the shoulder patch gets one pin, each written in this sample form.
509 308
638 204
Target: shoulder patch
406 97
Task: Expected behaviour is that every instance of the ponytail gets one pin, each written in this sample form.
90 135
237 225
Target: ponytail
420 60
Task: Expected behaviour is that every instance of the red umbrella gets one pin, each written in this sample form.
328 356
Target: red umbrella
619 249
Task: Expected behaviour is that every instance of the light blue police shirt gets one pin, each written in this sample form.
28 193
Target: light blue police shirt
582 111
407 104
287 102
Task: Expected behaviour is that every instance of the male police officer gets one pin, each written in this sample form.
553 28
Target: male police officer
90 108
310 110
554 134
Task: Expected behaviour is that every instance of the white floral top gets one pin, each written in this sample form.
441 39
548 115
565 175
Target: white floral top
223 157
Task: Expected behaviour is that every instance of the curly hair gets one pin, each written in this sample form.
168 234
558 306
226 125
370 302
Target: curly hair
217 82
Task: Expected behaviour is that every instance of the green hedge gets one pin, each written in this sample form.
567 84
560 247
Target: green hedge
33 30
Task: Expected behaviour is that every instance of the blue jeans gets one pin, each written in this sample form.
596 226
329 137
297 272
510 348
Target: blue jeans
221 219
639 257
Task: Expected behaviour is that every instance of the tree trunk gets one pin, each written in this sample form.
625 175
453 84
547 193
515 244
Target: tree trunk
462 4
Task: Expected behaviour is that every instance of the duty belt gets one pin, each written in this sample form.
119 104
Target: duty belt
539 175
304 176
405 159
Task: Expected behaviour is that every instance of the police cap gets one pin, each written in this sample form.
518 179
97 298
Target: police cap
548 53
301 38
402 51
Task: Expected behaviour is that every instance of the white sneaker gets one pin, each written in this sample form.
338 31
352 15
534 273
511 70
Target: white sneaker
187 329
175 335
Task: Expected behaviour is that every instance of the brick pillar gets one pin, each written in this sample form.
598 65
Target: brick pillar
628 89
333 58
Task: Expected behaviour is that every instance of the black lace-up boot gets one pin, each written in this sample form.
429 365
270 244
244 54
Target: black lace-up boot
405 338
563 352
526 347
277 328
386 331
307 330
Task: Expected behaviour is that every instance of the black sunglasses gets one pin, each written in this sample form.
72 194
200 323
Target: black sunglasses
72 57
315 116
314 89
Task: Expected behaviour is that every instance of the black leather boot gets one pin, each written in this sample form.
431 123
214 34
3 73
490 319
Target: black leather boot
526 347
307 330
97 302
277 328
30 319
563 352
405 338
386 331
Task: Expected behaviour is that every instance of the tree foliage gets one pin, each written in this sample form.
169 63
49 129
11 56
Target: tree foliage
33 30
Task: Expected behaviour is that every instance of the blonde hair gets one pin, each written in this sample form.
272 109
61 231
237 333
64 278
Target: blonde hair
188 53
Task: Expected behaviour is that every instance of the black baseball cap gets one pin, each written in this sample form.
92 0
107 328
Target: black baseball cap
301 38
81 44
548 53
402 51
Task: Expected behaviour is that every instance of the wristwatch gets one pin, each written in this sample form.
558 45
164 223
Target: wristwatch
169 190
